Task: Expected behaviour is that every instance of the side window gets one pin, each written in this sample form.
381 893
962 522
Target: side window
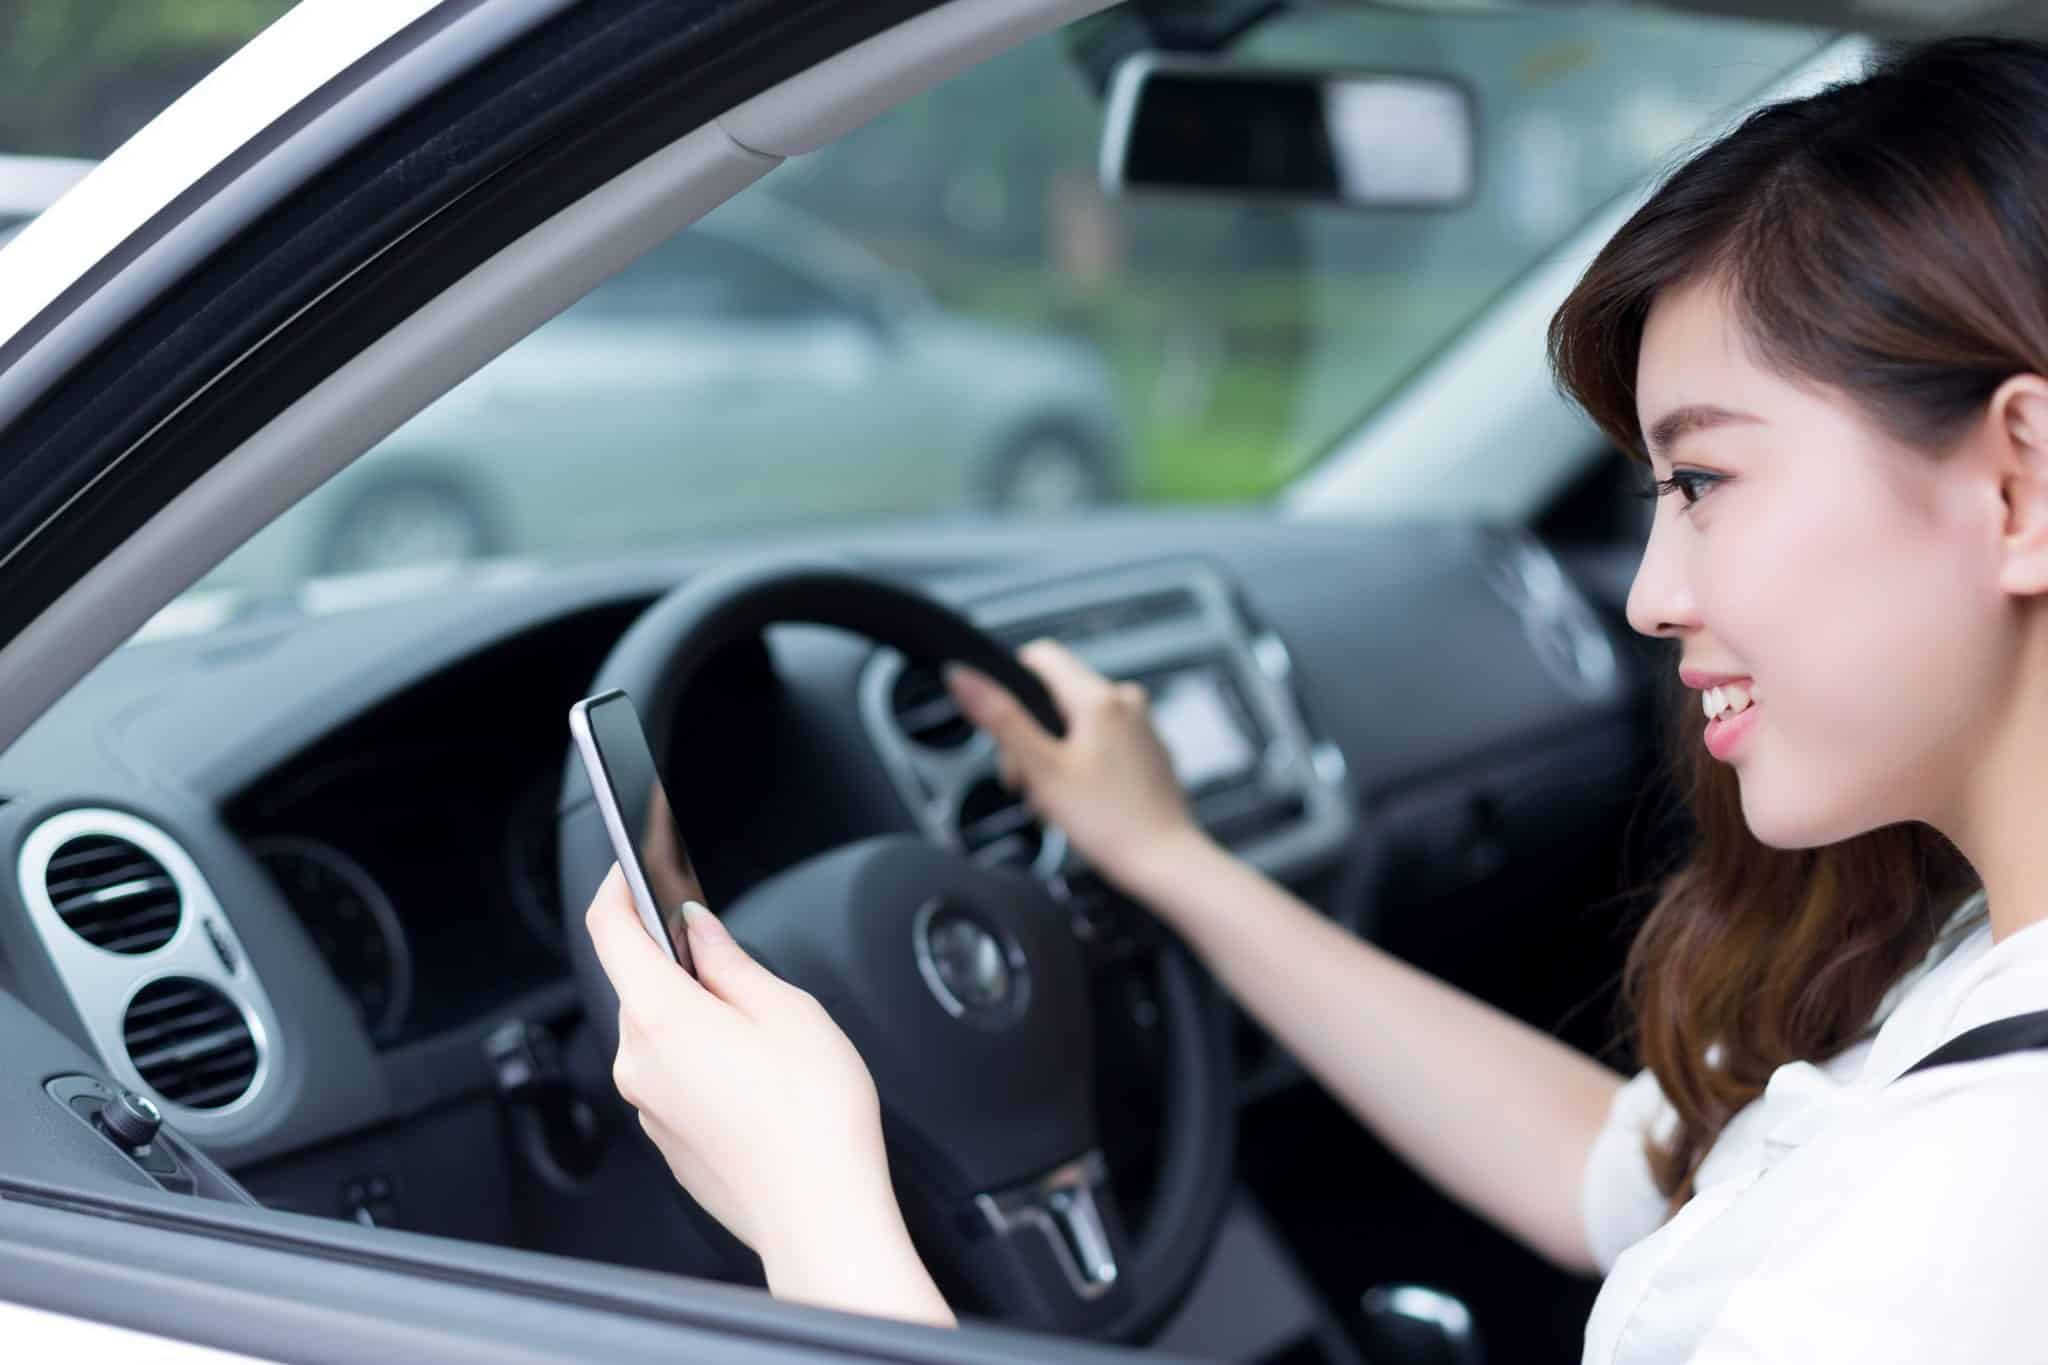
1027 344
771 290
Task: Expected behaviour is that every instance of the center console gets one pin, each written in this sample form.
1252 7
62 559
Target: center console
1223 701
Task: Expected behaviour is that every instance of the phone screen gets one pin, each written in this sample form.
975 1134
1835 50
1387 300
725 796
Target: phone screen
656 862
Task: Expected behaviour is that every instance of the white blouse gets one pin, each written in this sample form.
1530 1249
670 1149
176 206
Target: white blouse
1839 1217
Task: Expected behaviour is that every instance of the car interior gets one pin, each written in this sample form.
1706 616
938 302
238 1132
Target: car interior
299 857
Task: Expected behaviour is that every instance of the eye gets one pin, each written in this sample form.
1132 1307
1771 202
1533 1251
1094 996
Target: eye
1690 484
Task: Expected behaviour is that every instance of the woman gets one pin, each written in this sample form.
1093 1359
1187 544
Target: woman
1827 338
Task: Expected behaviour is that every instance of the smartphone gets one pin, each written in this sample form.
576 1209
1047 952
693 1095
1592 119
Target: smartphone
638 817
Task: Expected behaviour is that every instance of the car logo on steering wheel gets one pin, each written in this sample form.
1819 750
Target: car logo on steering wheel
978 975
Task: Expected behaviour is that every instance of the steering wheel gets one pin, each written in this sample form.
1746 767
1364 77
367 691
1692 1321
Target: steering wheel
964 988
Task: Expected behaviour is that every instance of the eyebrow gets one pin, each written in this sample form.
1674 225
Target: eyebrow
1679 423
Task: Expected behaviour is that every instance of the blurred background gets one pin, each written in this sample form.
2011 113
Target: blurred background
945 314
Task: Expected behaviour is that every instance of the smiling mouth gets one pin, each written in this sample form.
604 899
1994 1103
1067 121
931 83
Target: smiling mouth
1728 700
1727 728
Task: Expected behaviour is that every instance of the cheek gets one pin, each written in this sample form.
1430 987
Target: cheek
1866 624
1796 596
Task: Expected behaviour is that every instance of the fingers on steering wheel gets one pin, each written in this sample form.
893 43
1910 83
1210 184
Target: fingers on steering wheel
988 704
1073 683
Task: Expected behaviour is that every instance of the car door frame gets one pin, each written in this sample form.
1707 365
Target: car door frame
271 1284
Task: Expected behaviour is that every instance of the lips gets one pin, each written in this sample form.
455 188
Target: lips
1731 702
1700 679
1725 734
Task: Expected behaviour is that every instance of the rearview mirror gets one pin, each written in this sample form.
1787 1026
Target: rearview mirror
1389 140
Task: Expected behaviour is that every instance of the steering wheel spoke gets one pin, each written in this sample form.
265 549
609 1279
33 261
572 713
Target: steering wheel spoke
1060 1243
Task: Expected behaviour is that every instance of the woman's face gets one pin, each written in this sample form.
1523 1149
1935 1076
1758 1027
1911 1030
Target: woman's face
1852 582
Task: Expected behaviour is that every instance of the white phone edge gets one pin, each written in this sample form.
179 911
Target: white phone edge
615 826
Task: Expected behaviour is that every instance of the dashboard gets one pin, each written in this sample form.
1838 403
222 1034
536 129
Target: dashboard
1223 700
288 876
403 880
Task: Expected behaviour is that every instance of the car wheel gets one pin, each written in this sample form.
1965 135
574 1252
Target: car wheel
404 522
1050 471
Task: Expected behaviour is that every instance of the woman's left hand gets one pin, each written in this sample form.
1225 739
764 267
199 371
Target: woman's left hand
763 1110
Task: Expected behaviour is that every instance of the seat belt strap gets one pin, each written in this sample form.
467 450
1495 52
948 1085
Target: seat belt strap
2019 1033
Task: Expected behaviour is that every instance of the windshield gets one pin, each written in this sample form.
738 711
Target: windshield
944 315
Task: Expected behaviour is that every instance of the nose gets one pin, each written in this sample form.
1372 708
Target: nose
1660 600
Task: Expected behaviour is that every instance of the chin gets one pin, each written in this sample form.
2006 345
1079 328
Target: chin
1777 822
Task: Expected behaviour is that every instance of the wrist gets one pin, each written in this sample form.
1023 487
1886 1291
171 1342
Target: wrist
859 1262
1155 870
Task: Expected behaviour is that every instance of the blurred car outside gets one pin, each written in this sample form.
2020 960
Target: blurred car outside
758 370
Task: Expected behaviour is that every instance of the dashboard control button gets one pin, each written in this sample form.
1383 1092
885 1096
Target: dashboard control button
131 1120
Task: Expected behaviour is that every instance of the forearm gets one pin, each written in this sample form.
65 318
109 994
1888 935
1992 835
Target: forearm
1499 1115
866 1265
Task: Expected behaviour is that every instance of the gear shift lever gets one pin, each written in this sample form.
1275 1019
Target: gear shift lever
1412 1324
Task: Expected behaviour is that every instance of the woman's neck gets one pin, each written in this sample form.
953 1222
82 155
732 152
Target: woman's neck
1998 818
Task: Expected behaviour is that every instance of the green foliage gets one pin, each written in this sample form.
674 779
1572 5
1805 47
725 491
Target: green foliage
78 77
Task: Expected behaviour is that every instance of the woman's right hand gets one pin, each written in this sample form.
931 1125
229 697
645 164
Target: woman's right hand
1108 784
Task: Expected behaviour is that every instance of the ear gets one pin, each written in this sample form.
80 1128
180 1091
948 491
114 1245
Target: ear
2018 428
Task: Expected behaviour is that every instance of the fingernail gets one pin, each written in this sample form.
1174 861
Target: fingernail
703 923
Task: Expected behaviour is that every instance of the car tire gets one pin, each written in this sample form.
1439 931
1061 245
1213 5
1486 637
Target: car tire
1049 470
403 522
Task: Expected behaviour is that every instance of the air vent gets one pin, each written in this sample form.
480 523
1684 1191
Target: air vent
1112 617
925 712
190 1043
996 827
112 894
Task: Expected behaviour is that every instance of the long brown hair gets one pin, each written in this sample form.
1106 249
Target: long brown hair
1886 238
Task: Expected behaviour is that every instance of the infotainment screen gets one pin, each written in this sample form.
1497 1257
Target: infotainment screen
1200 728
